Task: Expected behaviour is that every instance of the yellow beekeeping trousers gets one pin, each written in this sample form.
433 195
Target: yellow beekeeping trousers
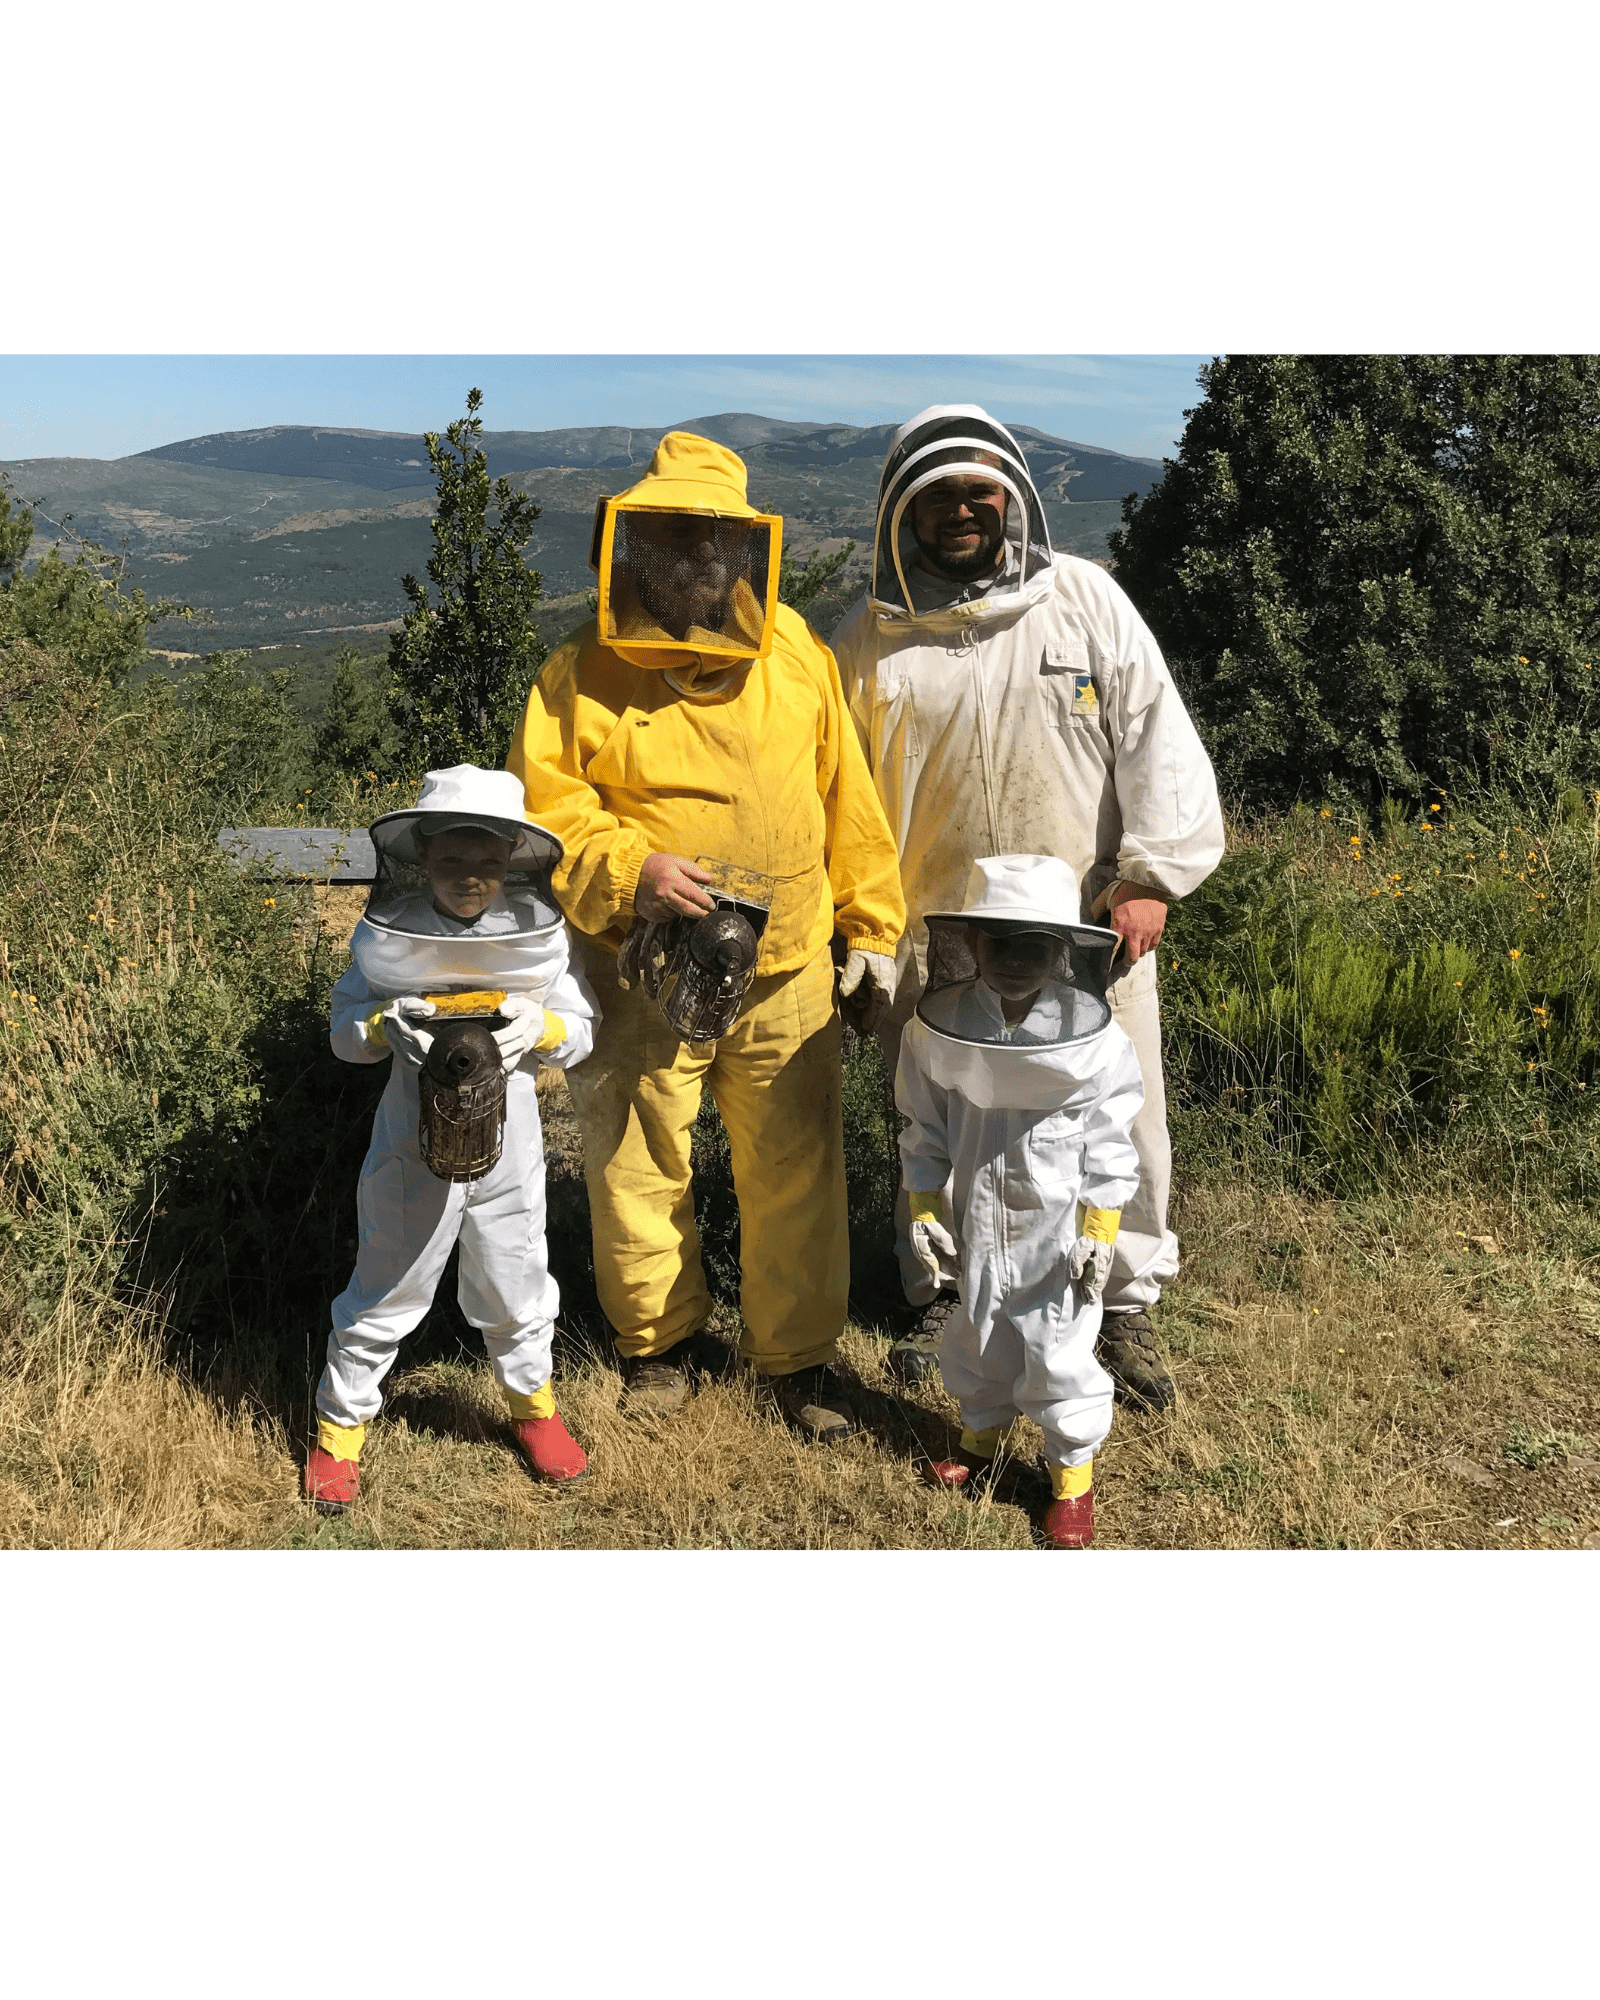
776 1082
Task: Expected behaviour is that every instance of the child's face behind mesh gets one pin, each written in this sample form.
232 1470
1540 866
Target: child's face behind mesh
465 871
1016 967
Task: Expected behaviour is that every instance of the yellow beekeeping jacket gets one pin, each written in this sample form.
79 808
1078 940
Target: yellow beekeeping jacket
757 764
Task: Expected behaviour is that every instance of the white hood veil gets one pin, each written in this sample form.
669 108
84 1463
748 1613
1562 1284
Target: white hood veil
1053 1057
958 438
403 944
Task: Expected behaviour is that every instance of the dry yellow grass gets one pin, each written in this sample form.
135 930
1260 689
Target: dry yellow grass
1349 1378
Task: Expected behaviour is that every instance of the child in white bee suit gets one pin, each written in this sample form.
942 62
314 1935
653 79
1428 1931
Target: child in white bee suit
460 914
1021 1093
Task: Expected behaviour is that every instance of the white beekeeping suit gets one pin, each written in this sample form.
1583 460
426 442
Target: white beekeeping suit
1024 1128
409 1218
1027 710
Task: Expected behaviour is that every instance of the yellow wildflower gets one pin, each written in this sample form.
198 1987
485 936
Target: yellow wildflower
1433 809
269 903
1324 814
1522 659
1515 953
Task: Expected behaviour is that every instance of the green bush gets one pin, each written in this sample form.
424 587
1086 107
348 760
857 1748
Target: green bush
1337 993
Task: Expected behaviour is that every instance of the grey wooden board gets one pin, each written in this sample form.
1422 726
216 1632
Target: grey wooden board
325 853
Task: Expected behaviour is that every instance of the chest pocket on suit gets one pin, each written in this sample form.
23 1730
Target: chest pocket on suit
1067 686
894 720
1055 1151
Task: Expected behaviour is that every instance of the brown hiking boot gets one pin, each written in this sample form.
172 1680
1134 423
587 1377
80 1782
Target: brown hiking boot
915 1356
653 1385
1127 1351
814 1401
658 1385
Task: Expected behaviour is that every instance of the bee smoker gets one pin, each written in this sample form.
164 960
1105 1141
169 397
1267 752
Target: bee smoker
463 1098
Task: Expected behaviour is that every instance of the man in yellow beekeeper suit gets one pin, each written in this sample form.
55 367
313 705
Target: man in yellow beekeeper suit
695 716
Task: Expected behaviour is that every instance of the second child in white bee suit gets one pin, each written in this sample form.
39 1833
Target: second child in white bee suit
697 719
1011 698
460 915
1021 1093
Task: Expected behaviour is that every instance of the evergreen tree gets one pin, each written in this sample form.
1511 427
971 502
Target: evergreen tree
464 659
801 588
356 737
78 608
1373 572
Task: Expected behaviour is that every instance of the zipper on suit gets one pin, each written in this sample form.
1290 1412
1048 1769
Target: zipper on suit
970 644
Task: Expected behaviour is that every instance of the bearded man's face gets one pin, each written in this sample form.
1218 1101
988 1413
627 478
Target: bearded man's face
683 568
960 525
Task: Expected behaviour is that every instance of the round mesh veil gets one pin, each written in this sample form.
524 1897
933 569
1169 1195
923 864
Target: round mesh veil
402 898
683 579
408 942
1071 969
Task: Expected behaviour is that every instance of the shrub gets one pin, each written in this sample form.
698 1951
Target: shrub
1337 992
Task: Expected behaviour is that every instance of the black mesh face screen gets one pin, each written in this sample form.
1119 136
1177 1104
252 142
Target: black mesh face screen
403 897
687 579
1064 975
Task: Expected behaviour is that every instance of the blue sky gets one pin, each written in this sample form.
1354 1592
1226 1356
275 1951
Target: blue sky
105 406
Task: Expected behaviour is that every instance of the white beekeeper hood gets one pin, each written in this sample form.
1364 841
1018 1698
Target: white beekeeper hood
957 438
1028 905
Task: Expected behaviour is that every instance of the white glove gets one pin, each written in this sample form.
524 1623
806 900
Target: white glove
525 1018
1089 1265
393 1026
931 1243
868 978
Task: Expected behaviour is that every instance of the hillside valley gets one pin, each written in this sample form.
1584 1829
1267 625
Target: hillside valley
294 538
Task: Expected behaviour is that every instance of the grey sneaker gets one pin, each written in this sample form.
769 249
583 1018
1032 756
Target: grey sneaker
915 1356
814 1401
1127 1351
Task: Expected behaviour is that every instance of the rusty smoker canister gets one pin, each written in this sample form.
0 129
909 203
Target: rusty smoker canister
463 1100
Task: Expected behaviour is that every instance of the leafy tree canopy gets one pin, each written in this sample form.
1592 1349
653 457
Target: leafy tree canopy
1372 573
465 657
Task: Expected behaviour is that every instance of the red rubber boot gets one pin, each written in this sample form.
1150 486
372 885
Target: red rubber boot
331 1483
551 1452
1069 1523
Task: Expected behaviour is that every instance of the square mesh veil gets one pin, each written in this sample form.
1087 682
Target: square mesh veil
677 578
1072 967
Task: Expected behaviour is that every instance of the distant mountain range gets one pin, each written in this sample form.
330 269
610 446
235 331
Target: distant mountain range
293 534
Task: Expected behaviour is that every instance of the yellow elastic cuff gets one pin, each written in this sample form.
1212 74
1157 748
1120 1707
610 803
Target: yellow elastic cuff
555 1033
341 1441
542 1403
924 1205
373 1023
984 1444
1068 1481
1100 1224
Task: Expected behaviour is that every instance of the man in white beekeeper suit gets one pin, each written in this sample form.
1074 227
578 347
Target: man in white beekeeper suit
1012 700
